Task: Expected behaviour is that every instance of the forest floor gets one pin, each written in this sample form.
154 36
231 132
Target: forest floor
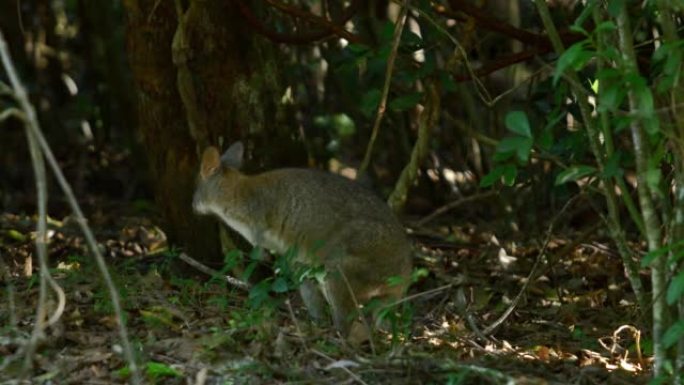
574 324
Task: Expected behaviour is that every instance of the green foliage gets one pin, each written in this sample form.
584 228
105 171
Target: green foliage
575 57
674 334
512 150
573 173
156 372
405 102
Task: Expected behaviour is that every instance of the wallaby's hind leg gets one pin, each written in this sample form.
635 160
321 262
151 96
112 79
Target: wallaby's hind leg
313 300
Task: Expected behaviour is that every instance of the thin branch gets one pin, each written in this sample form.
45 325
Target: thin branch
304 37
531 276
34 127
485 20
41 250
501 63
398 28
359 309
315 19
452 205
482 91
242 285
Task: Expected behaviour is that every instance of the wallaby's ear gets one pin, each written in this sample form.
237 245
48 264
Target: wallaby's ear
233 156
210 162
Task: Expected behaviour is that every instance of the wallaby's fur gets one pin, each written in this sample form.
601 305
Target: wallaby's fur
330 221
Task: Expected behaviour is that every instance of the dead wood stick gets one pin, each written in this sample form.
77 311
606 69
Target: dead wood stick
239 284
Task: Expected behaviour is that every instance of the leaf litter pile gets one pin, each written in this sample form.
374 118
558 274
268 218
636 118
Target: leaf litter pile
574 323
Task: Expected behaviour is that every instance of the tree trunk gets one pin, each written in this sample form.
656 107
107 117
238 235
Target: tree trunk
204 80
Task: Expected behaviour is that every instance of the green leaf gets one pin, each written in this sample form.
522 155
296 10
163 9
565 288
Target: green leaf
406 101
370 102
673 334
258 294
611 54
575 57
652 255
516 122
158 370
586 12
510 172
606 26
611 98
572 174
594 86
358 49
279 285
418 274
612 168
343 124
614 7
492 177
518 144
545 140
653 178
504 172
676 288
447 82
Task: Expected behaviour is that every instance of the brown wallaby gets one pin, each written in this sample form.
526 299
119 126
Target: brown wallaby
330 221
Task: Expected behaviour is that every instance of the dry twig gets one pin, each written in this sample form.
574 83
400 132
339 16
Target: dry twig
396 38
239 284
34 131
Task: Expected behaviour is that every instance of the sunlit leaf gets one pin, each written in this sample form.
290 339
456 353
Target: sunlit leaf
595 86
343 125
157 370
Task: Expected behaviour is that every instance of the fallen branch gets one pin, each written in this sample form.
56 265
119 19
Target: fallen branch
239 284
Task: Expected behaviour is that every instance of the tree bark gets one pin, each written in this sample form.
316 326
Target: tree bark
170 149
203 78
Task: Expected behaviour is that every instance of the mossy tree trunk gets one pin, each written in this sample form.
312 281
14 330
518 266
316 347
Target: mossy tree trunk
203 78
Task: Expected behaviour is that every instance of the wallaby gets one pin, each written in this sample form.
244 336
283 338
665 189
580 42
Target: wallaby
330 221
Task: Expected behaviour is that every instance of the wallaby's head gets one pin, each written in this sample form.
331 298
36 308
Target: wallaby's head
217 178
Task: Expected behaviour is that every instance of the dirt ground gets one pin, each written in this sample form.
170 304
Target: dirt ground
575 324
